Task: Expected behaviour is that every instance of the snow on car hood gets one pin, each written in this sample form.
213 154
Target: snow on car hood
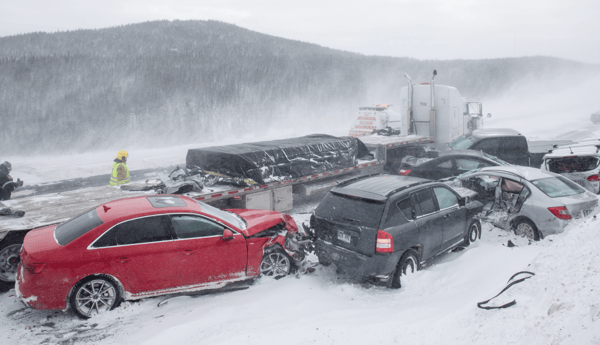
258 220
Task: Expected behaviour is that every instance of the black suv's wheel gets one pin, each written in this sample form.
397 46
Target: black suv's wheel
94 295
275 263
525 228
473 232
408 264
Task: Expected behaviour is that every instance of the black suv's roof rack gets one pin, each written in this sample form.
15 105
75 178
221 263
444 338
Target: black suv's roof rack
354 179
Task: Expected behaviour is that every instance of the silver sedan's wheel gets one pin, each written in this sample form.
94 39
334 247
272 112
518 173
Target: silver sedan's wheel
526 229
275 264
9 260
94 296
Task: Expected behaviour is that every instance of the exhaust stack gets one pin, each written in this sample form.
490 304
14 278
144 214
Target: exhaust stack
432 111
411 122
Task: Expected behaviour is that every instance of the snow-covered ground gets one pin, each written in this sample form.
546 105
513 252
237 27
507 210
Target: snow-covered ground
559 305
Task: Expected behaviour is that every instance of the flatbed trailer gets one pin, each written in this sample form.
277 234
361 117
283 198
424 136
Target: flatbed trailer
53 208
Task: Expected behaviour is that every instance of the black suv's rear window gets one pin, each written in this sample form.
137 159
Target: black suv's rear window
349 209
75 227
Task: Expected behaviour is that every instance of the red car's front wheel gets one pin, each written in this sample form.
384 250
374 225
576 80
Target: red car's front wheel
275 264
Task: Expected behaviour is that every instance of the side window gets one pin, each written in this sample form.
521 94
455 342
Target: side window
514 146
489 146
466 164
193 227
141 230
424 199
399 213
445 197
445 164
406 207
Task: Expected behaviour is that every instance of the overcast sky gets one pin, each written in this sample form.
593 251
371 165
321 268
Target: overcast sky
422 29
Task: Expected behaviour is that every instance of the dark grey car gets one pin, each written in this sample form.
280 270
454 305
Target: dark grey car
378 227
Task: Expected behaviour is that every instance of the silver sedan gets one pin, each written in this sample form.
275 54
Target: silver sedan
531 202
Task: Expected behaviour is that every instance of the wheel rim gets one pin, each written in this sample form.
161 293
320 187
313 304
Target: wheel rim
473 232
525 230
410 266
95 296
9 260
275 264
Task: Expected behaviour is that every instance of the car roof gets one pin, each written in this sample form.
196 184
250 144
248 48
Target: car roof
494 132
527 173
378 187
577 149
151 204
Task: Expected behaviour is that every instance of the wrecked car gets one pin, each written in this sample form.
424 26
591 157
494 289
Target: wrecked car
449 163
147 246
579 163
531 202
380 227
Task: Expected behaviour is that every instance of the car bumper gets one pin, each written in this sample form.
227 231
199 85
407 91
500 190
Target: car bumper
378 267
37 294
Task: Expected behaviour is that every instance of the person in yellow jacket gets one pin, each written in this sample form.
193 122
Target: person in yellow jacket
120 172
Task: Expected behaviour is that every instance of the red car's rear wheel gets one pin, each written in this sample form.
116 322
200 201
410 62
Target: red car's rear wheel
94 295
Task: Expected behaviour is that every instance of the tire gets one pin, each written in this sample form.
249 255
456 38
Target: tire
94 295
10 250
525 228
409 263
473 232
275 263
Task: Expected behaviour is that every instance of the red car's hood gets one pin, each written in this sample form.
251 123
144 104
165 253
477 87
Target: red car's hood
259 220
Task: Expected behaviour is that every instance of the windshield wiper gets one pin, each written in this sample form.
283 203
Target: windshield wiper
352 220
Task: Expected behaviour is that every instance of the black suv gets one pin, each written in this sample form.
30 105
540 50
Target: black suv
378 227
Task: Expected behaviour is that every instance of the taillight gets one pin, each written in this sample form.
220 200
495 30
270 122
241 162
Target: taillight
593 178
34 268
385 242
404 172
560 212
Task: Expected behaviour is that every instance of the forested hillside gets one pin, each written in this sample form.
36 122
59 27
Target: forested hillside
165 83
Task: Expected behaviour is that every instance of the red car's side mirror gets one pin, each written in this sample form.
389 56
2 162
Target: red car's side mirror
227 235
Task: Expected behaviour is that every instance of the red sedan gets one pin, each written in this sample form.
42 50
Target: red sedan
148 246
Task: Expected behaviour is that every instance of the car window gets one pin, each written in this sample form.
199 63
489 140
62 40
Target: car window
136 231
571 164
348 209
424 199
445 197
466 164
193 227
447 164
496 159
227 216
399 213
462 143
75 227
490 145
558 186
513 145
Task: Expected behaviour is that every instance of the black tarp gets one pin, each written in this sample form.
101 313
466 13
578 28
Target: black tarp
277 160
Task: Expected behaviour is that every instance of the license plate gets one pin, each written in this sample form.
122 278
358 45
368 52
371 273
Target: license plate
344 237
586 212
